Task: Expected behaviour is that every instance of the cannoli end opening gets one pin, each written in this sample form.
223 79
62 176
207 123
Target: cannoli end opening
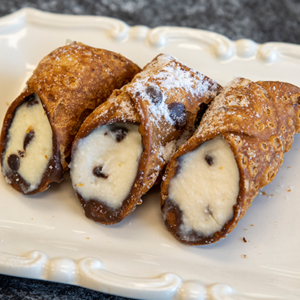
205 189
29 146
105 163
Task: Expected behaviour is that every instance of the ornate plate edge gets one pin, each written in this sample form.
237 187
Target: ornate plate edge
89 272
222 47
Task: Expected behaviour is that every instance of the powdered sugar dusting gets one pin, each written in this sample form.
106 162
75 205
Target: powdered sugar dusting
163 82
127 109
120 106
172 78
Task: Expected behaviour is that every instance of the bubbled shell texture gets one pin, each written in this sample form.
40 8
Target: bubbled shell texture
258 121
71 82
149 100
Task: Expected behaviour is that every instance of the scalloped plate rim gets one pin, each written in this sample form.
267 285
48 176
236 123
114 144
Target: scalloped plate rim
178 290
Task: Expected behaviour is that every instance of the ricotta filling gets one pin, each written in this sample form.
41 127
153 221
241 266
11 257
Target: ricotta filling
206 187
30 145
105 163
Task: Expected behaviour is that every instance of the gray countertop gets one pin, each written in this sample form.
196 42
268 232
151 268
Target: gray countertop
270 20
261 21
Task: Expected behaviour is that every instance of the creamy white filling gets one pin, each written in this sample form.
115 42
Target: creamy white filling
34 159
206 187
117 163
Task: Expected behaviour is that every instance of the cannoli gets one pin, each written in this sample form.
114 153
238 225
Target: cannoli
238 148
40 125
122 147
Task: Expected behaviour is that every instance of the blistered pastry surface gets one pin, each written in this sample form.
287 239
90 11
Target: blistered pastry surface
258 121
241 107
164 100
165 79
105 163
206 187
30 140
72 81
167 95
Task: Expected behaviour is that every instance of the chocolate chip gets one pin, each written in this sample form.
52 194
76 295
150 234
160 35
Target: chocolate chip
21 153
178 115
120 133
28 138
97 171
137 94
209 159
155 94
14 162
31 100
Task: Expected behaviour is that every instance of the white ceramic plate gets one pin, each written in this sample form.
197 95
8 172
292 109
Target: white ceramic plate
48 237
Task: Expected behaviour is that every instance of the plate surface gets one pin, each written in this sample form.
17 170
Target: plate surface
48 237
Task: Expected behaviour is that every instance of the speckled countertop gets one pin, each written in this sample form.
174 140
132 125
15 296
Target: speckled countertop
270 20
261 21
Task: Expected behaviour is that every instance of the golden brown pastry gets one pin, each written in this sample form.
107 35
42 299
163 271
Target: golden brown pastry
40 125
122 147
238 148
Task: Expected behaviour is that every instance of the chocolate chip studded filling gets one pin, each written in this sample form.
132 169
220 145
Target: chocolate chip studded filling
14 162
29 145
155 94
206 188
178 114
105 163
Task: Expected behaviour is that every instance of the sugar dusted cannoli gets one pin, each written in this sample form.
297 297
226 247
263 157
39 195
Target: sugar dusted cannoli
122 147
40 125
238 148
